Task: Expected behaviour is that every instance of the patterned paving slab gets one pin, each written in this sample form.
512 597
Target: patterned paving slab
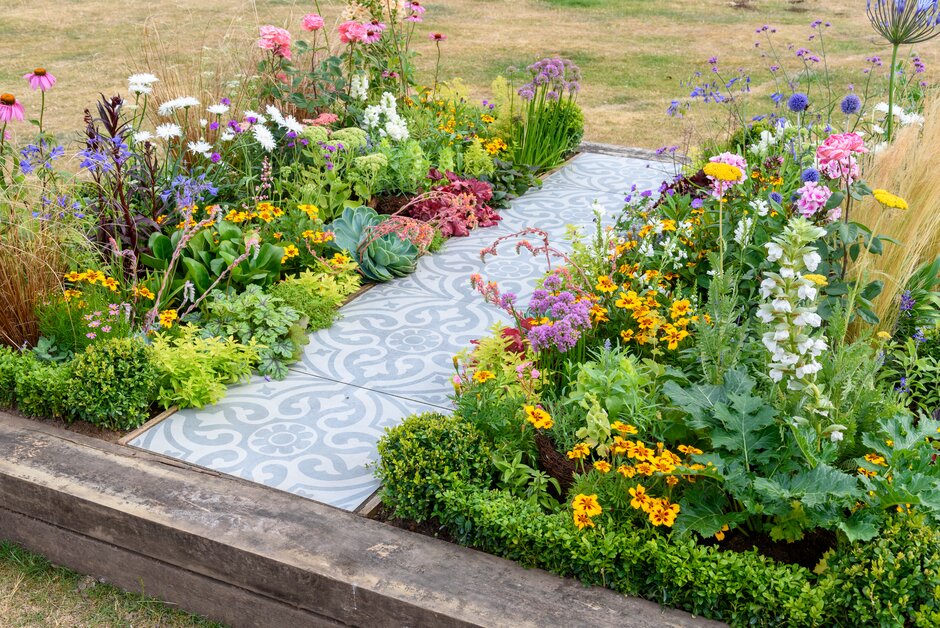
389 356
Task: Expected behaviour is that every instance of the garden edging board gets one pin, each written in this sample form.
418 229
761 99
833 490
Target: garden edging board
249 555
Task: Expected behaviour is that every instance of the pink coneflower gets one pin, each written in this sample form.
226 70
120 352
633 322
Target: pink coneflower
312 22
437 36
374 32
416 11
351 32
40 79
10 110
276 40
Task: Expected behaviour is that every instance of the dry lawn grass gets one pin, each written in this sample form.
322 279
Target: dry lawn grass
633 52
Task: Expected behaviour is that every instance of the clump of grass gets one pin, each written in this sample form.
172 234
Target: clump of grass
907 168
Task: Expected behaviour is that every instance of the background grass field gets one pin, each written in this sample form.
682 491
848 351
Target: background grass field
633 52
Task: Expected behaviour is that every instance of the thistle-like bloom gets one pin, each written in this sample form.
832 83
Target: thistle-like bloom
903 22
10 110
40 79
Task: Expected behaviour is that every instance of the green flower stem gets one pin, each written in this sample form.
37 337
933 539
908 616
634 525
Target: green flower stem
890 127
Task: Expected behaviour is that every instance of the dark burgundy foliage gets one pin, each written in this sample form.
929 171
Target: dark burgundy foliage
456 206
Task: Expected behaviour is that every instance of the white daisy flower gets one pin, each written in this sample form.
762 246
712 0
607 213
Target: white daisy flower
144 78
264 137
201 147
218 109
166 131
143 136
177 103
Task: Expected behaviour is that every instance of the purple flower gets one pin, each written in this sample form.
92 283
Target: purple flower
775 197
907 302
851 104
919 336
798 102
215 158
810 174
697 203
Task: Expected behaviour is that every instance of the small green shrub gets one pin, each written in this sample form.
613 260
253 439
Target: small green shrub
424 456
9 365
193 372
318 293
42 389
892 580
113 383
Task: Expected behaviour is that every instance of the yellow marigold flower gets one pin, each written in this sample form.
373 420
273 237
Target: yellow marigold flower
626 471
663 465
890 443
483 376
603 466
663 513
626 335
722 172
604 284
167 317
579 451
623 428
339 259
310 210
679 309
720 535
318 237
277 235
599 313
883 335
640 499
143 291
73 276
111 284
538 417
876 459
867 473
645 468
628 300
672 480
674 336
290 251
583 520
888 199
587 504
819 280
689 450
70 294
487 118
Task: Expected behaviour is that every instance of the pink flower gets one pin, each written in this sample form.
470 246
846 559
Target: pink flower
351 32
312 22
719 188
276 40
10 110
437 36
374 32
323 119
836 155
40 79
813 197
416 11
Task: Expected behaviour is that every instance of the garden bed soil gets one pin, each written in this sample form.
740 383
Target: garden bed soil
432 527
78 427
807 552
388 205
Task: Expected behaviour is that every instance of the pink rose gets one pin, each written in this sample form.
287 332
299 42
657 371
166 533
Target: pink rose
351 32
312 22
813 197
276 40
836 155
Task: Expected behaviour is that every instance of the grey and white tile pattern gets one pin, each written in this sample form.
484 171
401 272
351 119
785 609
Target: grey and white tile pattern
390 355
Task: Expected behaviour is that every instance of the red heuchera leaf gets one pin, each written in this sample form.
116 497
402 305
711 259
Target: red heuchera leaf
457 206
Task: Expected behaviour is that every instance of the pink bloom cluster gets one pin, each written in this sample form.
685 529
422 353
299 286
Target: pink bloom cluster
836 156
719 188
416 11
276 40
813 197
312 22
351 32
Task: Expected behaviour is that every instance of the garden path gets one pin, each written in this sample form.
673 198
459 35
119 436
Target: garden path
388 356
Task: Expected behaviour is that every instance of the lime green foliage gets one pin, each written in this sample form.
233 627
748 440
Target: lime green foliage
315 134
425 455
277 329
113 383
407 168
477 162
42 389
890 581
318 293
9 365
194 371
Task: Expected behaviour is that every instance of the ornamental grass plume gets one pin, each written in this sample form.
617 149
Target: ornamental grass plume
902 22
907 169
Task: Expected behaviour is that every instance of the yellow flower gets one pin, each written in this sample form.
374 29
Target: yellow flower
579 451
603 466
663 513
604 284
645 468
587 504
340 259
538 417
819 280
867 473
672 480
668 225
883 335
679 309
888 199
290 251
623 428
640 501
876 459
318 237
310 210
482 376
688 449
626 335
626 471
674 336
143 292
583 520
167 317
70 294
720 535
722 172
487 118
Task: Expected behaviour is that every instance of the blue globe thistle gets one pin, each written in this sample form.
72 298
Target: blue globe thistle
775 197
798 103
810 174
851 104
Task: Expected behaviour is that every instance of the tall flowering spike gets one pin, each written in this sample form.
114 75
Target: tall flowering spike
903 22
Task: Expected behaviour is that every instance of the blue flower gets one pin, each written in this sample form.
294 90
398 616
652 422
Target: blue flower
798 102
851 104
775 197
810 174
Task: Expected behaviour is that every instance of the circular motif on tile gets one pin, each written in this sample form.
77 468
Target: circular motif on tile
510 268
415 340
282 439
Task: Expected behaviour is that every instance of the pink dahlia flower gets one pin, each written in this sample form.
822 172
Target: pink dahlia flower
351 32
836 155
813 197
40 79
719 188
312 22
10 110
276 40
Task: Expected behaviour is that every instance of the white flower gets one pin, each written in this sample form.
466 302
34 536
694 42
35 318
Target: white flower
275 114
742 233
166 131
203 122
264 137
136 88
760 206
781 305
807 291
786 272
218 109
143 136
201 147
774 251
836 436
291 124
765 313
227 136
776 375
767 287
812 260
911 118
144 78
170 106
808 319
359 87
259 119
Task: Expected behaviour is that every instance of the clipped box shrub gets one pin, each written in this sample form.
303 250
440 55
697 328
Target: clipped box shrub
42 388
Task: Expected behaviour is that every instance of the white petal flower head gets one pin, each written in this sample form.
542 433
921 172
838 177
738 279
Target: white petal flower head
782 305
765 313
776 375
144 78
227 136
176 104
137 88
836 436
275 114
786 272
143 136
166 131
291 124
264 137
760 206
217 109
203 122
767 287
812 261
807 292
201 147
774 251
